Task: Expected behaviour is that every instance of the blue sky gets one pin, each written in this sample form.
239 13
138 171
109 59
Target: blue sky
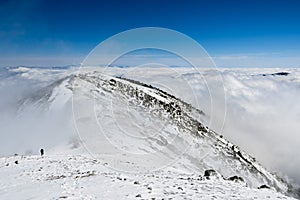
235 33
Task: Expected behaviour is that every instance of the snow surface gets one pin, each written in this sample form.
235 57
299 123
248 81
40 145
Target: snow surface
80 177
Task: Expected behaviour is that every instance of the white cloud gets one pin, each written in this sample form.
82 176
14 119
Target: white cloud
257 60
263 115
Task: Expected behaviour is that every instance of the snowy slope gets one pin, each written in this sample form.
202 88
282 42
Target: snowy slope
183 134
80 177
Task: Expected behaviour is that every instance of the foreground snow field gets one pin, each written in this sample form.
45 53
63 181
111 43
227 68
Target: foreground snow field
82 177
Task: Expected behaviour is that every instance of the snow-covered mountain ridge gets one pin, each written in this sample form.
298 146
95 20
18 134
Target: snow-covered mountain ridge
229 160
196 149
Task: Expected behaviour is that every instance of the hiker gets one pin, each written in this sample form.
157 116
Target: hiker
42 152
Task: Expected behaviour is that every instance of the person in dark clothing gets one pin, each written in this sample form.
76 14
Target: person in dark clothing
42 152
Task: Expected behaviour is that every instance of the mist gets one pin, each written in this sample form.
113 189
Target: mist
25 127
263 114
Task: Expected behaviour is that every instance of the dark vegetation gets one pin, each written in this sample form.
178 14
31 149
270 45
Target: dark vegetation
277 74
